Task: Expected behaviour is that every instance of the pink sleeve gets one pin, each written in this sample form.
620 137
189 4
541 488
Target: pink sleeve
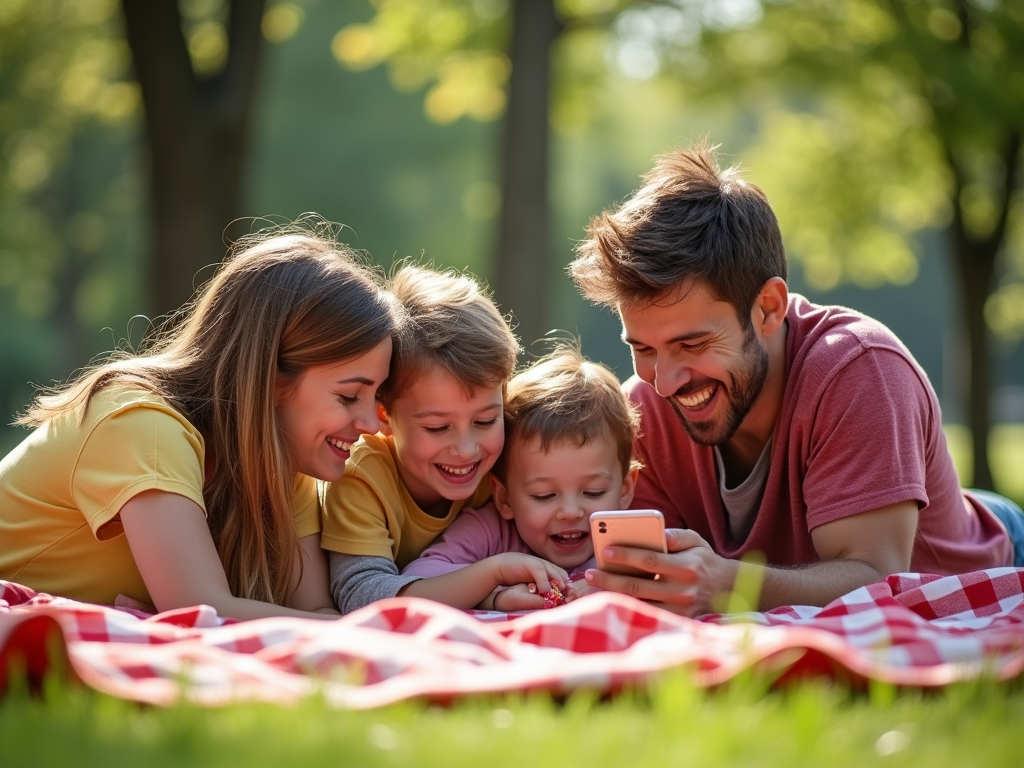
473 536
868 444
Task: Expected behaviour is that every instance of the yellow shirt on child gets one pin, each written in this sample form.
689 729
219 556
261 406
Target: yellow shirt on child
369 512
62 488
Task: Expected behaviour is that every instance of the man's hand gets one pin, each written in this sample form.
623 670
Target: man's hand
855 551
687 578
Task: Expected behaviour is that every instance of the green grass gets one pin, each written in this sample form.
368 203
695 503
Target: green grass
1006 453
975 724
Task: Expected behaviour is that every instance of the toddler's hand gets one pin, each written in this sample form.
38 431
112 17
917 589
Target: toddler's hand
577 589
513 568
518 598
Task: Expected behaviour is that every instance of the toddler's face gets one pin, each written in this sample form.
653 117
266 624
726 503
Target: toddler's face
552 495
446 442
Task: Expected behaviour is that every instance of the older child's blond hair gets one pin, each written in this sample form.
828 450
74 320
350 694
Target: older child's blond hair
453 325
565 397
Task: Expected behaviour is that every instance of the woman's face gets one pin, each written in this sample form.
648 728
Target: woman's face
329 408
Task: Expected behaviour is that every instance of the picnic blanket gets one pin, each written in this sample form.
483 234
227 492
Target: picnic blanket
909 630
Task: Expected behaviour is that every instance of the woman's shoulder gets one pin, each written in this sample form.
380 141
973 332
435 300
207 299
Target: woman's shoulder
119 399
129 414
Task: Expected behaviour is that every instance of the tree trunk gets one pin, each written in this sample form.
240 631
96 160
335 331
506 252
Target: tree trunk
197 131
522 254
976 267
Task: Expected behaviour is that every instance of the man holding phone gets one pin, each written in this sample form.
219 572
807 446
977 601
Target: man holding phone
772 428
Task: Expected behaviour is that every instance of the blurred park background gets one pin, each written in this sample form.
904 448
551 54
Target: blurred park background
483 134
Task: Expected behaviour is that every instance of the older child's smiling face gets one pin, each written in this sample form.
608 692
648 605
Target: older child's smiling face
446 441
552 494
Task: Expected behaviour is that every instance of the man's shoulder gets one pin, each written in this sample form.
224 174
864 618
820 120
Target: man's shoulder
831 334
830 344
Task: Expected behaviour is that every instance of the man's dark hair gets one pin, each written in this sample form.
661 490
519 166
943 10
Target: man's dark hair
689 221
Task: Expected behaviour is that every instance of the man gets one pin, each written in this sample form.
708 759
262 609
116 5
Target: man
772 428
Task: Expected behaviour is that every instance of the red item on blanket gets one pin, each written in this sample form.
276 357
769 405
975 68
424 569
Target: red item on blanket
911 629
553 597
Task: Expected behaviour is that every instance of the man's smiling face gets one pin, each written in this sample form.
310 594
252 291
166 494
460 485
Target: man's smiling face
693 350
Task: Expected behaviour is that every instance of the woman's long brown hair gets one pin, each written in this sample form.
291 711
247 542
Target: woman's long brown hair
279 305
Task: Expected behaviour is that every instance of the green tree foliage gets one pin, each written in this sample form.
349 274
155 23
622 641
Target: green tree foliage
481 59
67 192
62 68
877 119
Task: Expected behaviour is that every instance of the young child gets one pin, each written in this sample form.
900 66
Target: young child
569 434
441 432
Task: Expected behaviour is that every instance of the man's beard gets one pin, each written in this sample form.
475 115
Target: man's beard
745 386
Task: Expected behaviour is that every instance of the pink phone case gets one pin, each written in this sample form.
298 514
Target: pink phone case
642 528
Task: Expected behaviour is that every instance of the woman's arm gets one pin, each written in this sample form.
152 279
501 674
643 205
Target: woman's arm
176 556
311 592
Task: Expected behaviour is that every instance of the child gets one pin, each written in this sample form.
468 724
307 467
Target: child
185 474
441 432
568 453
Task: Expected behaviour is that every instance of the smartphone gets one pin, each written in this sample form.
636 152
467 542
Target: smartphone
642 528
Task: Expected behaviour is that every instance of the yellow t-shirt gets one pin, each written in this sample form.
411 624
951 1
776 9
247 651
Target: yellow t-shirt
369 512
62 488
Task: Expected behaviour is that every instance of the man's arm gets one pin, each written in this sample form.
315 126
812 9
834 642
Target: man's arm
854 551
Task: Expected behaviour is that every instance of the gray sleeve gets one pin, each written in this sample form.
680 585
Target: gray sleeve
358 580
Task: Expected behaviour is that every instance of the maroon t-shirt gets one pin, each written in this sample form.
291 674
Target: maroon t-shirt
859 428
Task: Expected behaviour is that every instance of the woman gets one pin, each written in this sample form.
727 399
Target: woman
184 475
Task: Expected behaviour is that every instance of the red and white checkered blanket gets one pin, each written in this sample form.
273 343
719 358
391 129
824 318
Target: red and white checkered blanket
910 629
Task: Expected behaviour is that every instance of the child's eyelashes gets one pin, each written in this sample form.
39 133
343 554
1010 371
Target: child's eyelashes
442 428
593 495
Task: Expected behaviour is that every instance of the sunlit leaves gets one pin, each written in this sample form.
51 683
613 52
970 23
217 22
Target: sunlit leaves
470 84
455 48
1004 312
63 67
868 102
281 21
203 24
848 208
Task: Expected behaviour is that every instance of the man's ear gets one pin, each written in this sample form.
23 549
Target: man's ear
500 493
770 307
628 488
385 424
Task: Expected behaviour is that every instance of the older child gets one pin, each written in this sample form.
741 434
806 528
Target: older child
568 453
442 431
184 475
